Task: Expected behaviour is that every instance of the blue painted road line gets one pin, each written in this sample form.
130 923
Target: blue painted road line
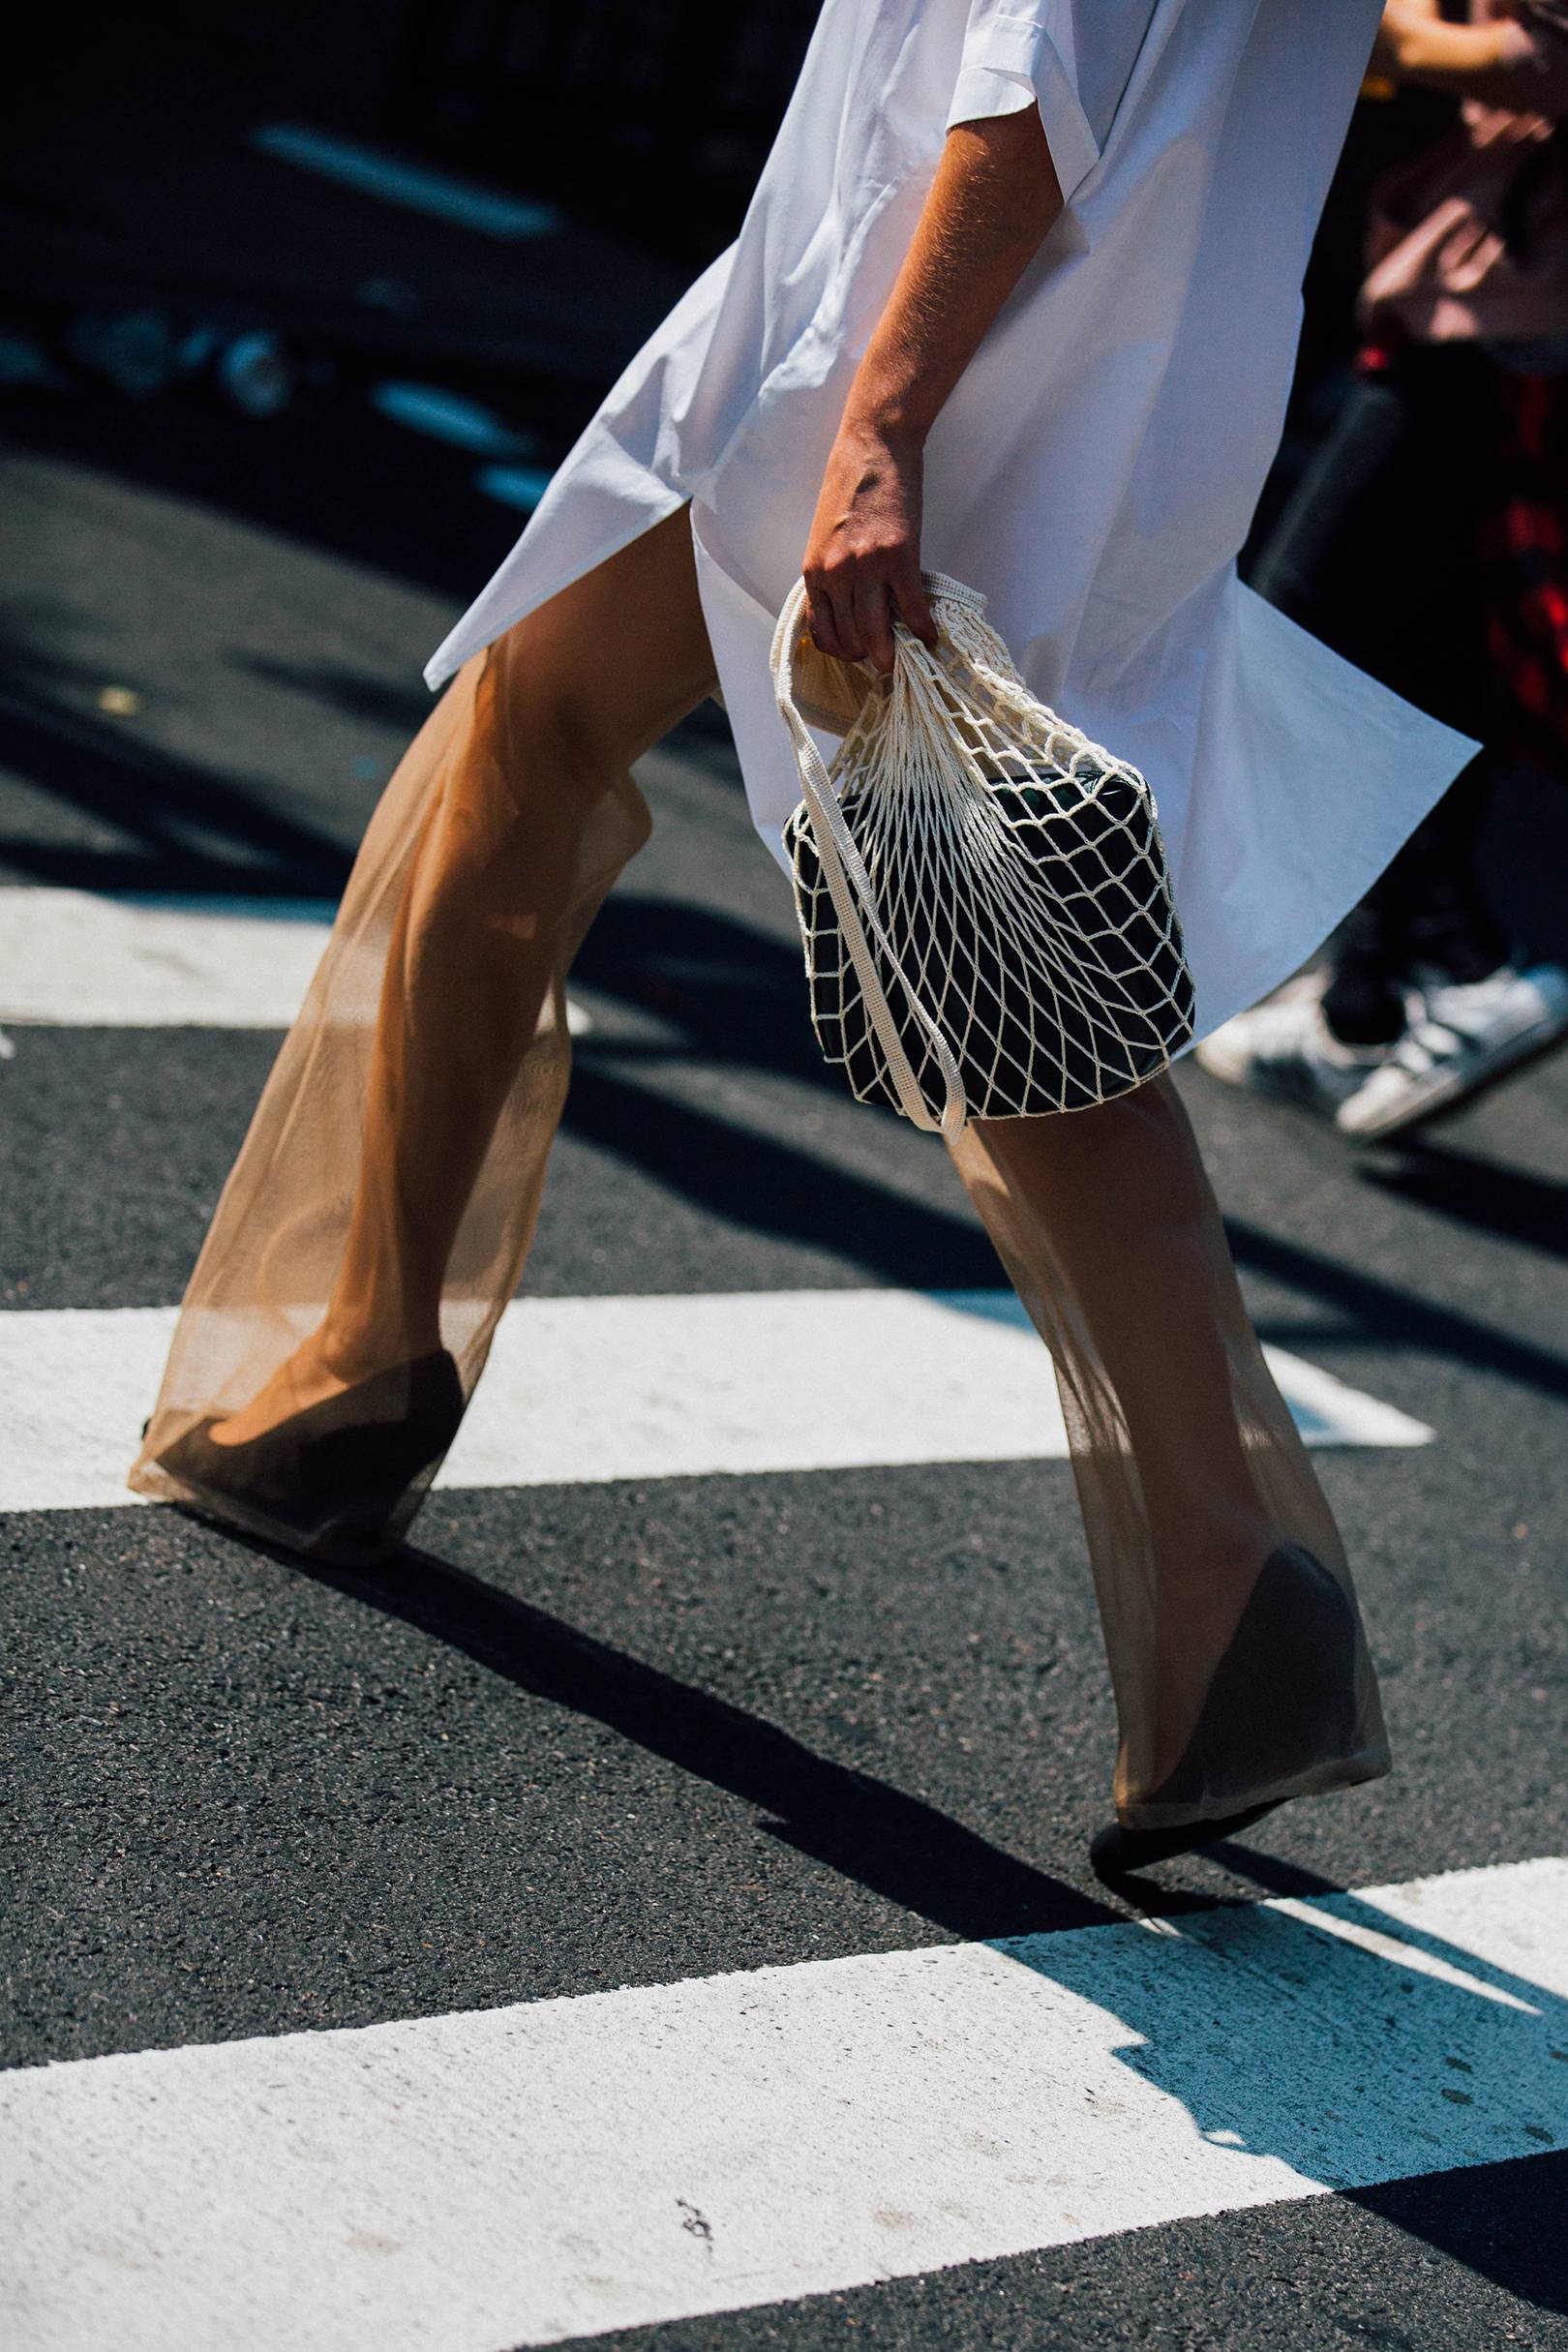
416 185
521 486
447 417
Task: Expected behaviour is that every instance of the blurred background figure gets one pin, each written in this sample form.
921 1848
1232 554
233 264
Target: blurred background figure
1426 541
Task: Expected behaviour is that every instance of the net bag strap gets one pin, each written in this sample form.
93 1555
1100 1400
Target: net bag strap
851 889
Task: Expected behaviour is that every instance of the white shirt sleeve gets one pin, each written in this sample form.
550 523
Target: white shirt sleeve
1074 58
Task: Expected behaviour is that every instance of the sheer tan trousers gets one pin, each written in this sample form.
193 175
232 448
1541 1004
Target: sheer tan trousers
386 1195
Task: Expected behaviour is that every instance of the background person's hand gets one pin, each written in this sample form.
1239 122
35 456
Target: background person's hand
1493 60
863 561
1400 20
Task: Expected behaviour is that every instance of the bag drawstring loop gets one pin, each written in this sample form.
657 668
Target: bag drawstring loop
850 887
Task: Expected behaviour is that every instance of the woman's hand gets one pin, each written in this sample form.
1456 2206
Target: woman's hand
863 561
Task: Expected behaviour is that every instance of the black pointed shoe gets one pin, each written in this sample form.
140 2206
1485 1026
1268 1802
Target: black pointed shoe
328 1481
1283 1702
1116 1853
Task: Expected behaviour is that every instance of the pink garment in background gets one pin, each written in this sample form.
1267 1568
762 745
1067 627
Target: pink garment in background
1440 266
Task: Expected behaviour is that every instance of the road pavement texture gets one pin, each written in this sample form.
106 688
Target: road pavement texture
657 1911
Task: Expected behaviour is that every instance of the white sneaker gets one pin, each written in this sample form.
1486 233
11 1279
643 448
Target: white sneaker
1465 1037
1285 1048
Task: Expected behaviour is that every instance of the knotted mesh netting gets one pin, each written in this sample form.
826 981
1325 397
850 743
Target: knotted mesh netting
982 892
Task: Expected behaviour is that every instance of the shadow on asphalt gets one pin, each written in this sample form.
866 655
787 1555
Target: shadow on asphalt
736 998
896 1845
155 821
1504 2221
330 475
1388 1315
349 693
166 813
1529 1211
771 1187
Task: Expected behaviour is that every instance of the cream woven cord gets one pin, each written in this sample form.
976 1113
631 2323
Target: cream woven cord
1006 871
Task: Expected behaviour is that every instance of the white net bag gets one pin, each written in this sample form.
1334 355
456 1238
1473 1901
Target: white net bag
982 892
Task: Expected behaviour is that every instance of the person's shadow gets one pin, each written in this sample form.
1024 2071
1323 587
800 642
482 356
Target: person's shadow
896 1845
858 1826
1240 2014
1348 2041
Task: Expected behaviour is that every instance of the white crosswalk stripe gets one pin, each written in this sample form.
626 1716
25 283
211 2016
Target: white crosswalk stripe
608 1388
92 960
522 2175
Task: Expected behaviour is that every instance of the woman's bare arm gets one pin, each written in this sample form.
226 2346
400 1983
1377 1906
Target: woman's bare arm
994 197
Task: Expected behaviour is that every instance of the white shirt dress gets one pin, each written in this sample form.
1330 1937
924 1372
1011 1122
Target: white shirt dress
1097 468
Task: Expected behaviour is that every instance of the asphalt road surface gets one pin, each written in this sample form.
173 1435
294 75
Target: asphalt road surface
605 1924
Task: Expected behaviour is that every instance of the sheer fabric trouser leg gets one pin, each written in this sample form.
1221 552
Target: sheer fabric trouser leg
387 1193
1231 1624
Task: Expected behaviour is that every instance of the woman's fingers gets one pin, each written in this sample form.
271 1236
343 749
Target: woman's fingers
873 621
912 606
832 603
850 612
822 622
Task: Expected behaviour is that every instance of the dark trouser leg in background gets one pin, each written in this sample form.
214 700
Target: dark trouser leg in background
1377 553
